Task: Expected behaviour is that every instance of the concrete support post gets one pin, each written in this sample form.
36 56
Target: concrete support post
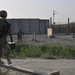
73 30
67 29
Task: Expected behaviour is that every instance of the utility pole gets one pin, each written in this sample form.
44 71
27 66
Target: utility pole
50 22
53 17
67 28
54 12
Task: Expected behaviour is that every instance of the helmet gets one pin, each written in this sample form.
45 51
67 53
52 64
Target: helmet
3 13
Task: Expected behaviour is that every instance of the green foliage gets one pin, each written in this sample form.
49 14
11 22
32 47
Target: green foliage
43 51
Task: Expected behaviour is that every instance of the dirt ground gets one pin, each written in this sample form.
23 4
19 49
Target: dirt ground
65 66
43 39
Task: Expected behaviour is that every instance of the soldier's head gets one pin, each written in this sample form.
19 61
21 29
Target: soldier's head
3 14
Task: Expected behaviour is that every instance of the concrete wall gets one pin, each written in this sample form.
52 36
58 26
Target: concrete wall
29 26
38 26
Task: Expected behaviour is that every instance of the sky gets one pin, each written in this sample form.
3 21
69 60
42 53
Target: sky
42 9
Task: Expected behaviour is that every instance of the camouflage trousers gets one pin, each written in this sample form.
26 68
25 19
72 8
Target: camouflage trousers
19 38
4 49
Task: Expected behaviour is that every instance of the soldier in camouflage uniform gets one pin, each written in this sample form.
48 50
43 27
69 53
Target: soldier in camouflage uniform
19 35
4 50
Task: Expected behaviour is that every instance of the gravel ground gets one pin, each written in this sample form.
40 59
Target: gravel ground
43 39
66 67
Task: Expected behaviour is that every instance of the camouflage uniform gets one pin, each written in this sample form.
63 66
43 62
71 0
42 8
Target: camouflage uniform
19 35
3 46
4 49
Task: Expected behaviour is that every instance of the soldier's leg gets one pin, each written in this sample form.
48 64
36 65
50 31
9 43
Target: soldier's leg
20 39
8 59
6 54
17 38
0 52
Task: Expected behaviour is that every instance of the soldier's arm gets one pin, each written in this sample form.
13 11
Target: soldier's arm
10 34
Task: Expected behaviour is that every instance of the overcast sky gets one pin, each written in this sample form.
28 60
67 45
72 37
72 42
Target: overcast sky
42 9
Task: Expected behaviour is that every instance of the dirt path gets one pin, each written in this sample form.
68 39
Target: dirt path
66 67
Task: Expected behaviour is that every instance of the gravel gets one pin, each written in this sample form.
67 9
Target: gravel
65 66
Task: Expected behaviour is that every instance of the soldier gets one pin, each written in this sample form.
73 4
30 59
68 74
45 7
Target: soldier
4 32
19 35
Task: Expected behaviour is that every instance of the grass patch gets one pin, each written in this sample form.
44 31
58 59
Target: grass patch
43 51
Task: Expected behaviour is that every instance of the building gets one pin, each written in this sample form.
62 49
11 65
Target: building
29 26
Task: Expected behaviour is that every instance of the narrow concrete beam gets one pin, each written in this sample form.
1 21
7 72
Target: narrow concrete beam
31 72
54 73
23 70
